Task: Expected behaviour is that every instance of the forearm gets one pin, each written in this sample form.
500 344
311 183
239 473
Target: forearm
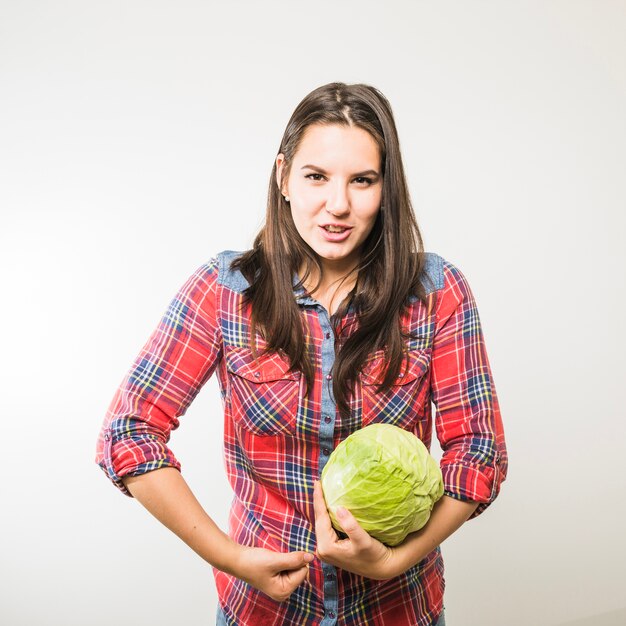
447 516
165 493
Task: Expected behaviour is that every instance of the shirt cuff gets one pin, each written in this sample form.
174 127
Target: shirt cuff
132 456
474 483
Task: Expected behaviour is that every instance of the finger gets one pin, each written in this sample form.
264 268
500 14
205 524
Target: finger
288 561
323 523
356 533
287 582
294 578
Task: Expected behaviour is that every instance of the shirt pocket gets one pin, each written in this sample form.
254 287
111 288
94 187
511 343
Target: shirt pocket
264 394
403 403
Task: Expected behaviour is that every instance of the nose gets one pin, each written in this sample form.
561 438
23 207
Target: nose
338 202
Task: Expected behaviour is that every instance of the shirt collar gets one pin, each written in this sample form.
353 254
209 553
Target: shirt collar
305 299
301 294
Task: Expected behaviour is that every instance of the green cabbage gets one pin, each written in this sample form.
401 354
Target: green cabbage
386 478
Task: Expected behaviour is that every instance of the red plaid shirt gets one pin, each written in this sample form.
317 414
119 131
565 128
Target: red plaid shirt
277 439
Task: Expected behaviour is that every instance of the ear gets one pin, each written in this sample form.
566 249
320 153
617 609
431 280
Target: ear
280 163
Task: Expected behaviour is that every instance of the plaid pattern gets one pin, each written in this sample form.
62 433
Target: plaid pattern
274 441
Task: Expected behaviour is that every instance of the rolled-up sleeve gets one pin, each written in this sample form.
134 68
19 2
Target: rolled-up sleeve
467 414
167 374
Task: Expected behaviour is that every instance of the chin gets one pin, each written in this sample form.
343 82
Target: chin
335 257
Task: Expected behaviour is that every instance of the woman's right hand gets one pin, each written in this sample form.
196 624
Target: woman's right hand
165 493
276 574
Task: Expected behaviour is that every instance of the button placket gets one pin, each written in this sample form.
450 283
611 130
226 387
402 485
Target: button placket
326 439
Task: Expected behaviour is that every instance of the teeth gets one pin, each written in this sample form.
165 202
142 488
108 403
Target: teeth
334 229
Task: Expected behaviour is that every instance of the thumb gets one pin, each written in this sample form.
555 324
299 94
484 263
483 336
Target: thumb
293 560
356 533
290 579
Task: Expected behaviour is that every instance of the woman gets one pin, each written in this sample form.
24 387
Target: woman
335 319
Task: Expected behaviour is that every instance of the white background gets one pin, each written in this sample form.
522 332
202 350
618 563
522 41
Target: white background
136 141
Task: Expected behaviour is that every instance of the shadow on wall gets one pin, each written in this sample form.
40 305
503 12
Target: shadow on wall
614 618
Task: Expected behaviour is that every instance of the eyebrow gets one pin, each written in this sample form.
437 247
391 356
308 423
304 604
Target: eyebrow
323 171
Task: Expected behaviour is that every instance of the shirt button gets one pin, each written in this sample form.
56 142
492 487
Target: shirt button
331 614
256 374
327 335
329 376
327 419
330 576
326 452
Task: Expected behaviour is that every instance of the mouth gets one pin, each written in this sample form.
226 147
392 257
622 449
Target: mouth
335 233
335 228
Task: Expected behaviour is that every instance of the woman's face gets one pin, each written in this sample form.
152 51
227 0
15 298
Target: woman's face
335 188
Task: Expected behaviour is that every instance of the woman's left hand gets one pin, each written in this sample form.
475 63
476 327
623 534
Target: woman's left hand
360 553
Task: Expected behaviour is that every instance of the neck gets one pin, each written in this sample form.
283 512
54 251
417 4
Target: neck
331 288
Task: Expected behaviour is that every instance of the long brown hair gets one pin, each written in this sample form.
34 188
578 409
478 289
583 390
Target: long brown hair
391 257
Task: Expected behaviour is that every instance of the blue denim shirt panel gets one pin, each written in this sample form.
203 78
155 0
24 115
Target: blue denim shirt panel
432 276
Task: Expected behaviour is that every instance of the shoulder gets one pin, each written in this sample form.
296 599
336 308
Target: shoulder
431 276
453 293
218 271
440 274
202 289
228 276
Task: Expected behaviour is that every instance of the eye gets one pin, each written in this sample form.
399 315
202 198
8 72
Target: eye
315 176
363 180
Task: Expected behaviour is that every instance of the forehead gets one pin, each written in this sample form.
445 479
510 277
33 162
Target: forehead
336 144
